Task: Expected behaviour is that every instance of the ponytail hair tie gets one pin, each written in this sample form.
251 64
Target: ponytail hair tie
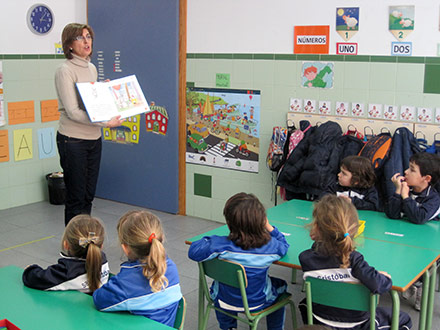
152 236
346 234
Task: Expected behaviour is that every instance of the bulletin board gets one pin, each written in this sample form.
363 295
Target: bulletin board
141 37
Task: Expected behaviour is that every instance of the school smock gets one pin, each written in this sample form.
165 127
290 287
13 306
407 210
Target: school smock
419 208
317 265
261 288
362 198
68 274
130 291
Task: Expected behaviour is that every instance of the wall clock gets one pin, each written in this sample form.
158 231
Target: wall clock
40 19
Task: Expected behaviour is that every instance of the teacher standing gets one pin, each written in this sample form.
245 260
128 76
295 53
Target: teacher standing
78 139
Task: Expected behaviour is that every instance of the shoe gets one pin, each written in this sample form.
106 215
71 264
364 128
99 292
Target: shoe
409 293
418 301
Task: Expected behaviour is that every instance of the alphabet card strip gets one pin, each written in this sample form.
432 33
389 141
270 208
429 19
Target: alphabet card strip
23 144
46 142
21 112
401 21
347 22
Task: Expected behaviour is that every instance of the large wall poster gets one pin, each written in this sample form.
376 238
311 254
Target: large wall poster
223 128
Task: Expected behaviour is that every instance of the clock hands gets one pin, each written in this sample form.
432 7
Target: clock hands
42 17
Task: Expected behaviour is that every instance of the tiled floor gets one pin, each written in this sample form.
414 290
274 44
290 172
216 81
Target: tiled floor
32 233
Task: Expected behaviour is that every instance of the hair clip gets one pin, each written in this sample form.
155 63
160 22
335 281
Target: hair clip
346 234
84 242
152 236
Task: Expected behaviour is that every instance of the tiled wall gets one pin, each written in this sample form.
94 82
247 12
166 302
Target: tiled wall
367 79
27 78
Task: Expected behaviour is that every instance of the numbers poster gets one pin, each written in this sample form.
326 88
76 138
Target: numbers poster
223 128
347 22
401 21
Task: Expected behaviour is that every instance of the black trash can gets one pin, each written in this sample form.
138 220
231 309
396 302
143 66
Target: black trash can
57 188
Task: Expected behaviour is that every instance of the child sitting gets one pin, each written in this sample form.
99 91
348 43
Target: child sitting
356 183
255 244
415 196
148 284
335 222
82 266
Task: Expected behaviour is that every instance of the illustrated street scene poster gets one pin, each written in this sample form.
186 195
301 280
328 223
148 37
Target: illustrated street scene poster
223 128
317 75
347 22
401 21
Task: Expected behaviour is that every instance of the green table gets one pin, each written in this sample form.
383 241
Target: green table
404 250
32 309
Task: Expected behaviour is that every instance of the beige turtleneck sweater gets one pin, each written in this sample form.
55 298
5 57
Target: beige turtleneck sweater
74 121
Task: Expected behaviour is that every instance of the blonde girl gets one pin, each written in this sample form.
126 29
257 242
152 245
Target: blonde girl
82 266
148 283
333 257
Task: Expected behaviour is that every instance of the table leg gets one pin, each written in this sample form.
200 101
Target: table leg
431 296
396 310
424 303
293 281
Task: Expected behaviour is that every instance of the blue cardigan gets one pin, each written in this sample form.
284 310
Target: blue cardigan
261 288
130 291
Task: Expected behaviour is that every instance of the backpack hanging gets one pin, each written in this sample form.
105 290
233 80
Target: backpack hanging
377 149
274 159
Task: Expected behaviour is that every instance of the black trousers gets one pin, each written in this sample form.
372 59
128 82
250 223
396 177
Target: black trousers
80 160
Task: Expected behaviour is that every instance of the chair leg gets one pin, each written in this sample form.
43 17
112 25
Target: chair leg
293 314
293 280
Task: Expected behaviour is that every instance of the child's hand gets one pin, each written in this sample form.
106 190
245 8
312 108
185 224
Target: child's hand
404 192
397 180
269 227
385 273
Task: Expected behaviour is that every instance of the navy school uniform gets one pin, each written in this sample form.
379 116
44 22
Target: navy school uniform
68 274
362 198
262 290
419 208
130 291
315 264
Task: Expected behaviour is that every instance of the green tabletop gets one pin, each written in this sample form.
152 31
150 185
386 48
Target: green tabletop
34 309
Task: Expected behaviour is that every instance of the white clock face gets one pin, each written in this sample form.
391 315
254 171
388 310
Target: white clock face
40 19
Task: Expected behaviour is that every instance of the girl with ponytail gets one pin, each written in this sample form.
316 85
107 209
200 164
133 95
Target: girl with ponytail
82 266
333 257
148 283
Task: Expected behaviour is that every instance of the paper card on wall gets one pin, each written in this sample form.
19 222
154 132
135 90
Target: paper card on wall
390 112
401 21
47 146
375 111
424 115
21 112
296 104
347 22
4 146
127 133
342 108
407 113
311 39
223 80
309 106
325 107
23 148
49 110
437 115
357 109
317 74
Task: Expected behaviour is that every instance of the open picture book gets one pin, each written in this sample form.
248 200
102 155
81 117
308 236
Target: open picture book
104 100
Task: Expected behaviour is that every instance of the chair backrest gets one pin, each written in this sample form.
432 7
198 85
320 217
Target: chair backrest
180 316
345 295
224 271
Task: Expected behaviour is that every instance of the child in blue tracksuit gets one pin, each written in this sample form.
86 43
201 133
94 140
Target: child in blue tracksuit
416 197
333 257
356 181
148 284
253 243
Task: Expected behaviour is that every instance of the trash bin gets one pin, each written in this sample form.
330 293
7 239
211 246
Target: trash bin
57 188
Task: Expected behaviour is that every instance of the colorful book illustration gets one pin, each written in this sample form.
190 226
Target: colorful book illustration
105 100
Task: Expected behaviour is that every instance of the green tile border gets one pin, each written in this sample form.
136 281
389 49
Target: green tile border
318 57
31 56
